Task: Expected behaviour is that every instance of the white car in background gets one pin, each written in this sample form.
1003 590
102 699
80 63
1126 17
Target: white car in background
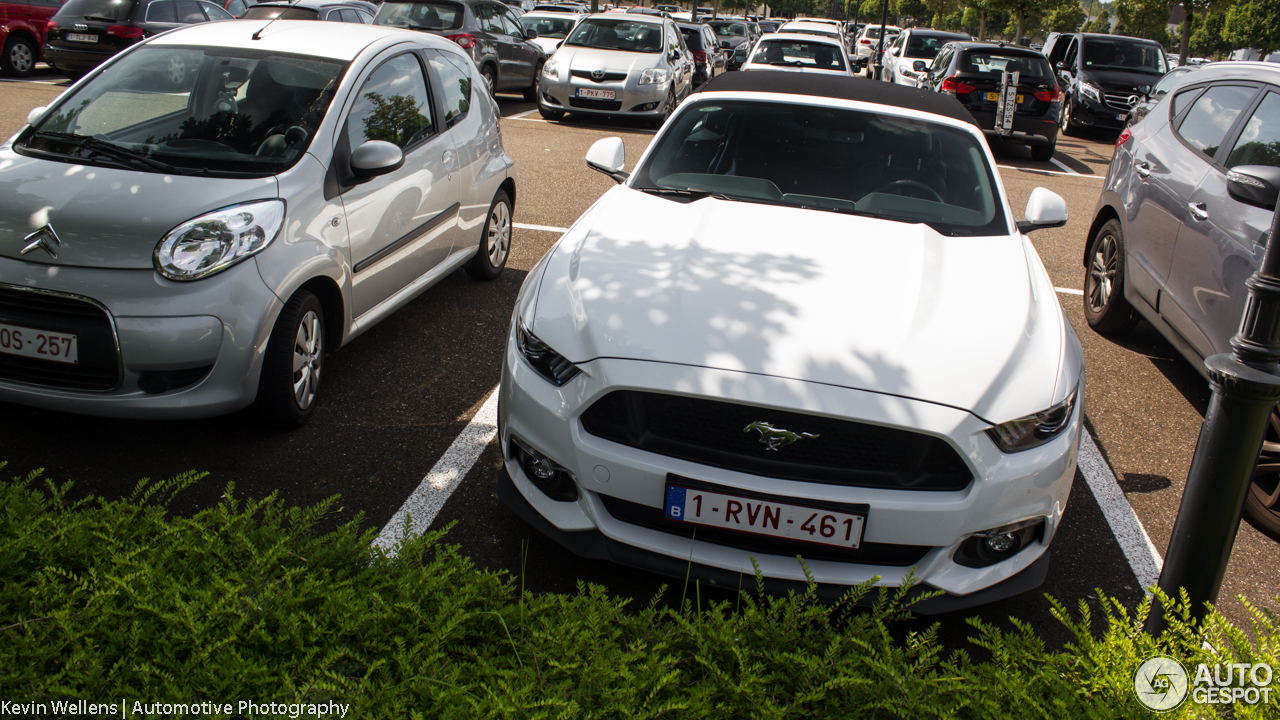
864 48
768 342
799 53
912 51
552 27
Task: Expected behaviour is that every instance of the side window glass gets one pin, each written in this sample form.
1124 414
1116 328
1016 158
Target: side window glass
161 12
1183 99
510 26
489 21
236 7
1212 115
189 12
393 105
457 88
1069 57
213 12
1259 142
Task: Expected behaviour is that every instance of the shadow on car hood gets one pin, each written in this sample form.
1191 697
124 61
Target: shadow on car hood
105 217
968 322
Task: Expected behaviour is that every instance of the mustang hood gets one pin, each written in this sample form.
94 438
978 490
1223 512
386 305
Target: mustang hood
856 302
105 217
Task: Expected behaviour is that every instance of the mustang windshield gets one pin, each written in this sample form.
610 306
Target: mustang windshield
192 110
610 34
833 159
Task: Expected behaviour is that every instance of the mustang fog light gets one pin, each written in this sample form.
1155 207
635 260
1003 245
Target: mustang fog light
215 241
992 546
551 478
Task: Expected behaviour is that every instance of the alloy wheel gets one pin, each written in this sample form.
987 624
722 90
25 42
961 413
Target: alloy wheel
177 69
307 353
1266 476
499 234
21 58
1102 272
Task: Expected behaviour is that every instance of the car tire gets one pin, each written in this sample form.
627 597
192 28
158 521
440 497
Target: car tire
1105 308
531 92
75 75
1065 120
668 107
19 59
495 240
1262 504
287 396
490 78
1043 153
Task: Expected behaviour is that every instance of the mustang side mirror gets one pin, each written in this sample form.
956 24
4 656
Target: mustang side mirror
608 156
1045 209
374 158
1256 185
33 117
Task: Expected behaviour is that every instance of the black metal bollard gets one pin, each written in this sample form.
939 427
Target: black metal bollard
1246 386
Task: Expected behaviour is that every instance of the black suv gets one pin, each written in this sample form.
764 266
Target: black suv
974 71
84 33
488 30
1102 76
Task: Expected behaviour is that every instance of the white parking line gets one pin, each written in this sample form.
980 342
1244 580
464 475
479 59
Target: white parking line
1144 559
1068 170
1034 171
526 119
542 228
424 504
520 116
1069 291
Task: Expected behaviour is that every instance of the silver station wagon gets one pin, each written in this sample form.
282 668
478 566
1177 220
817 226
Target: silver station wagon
191 228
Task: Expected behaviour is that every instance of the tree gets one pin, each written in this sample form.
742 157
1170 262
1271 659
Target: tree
395 120
1144 18
1207 39
1101 25
1066 18
1254 24
1027 15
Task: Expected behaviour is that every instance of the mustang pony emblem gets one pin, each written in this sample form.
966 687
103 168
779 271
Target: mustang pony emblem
774 438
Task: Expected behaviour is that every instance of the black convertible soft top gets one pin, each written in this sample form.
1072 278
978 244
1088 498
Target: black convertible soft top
843 88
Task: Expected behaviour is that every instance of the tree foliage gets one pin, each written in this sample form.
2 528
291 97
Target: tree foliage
1207 39
1101 25
1067 17
1144 19
1254 24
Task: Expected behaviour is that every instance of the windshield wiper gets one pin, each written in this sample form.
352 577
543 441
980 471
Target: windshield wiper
686 195
115 152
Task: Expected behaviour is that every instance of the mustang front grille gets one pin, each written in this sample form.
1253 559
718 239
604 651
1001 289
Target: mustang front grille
809 448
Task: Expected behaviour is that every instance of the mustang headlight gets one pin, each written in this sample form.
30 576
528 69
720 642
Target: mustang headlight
653 76
216 241
549 363
1034 430
1091 91
552 68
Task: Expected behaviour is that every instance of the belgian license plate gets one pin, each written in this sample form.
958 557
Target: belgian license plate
1122 116
82 37
595 94
764 517
995 96
39 344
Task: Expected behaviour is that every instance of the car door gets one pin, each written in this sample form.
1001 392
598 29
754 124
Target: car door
680 61
1222 242
489 17
404 223
524 54
1169 164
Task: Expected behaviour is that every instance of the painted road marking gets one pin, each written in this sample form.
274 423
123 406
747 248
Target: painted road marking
1144 559
426 500
1069 291
1049 172
541 228
1068 170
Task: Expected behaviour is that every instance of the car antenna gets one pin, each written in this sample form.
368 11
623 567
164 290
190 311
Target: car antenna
258 35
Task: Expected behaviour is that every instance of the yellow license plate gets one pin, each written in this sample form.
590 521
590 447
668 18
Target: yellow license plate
995 96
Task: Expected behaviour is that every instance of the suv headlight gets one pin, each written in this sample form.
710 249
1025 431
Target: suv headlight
1091 91
549 363
653 76
552 68
215 241
1034 430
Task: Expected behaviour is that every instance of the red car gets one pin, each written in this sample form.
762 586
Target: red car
22 33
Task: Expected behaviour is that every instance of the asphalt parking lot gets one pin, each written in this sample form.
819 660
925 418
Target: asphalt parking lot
396 399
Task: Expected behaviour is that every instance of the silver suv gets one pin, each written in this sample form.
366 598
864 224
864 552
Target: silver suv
1169 245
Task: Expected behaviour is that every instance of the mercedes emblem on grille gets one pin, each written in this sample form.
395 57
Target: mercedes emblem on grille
774 438
597 74
1133 100
45 239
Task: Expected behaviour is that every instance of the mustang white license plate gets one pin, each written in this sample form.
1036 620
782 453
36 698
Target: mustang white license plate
41 344
765 517
81 37
595 94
